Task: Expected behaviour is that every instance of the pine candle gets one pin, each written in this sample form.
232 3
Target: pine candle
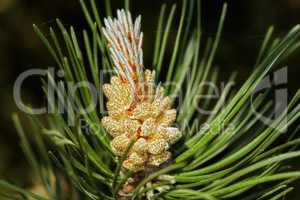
138 111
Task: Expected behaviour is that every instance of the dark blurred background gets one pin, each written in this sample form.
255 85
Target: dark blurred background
20 49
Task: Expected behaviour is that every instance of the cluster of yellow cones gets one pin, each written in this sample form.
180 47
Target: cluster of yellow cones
138 112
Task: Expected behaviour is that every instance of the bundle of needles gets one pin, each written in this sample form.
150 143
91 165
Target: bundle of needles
139 141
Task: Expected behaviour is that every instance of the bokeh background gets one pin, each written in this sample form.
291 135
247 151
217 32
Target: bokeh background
20 49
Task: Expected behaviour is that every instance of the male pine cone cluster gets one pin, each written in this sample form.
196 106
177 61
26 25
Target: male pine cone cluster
138 112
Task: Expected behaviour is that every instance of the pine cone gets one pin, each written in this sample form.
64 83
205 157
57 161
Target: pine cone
137 109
